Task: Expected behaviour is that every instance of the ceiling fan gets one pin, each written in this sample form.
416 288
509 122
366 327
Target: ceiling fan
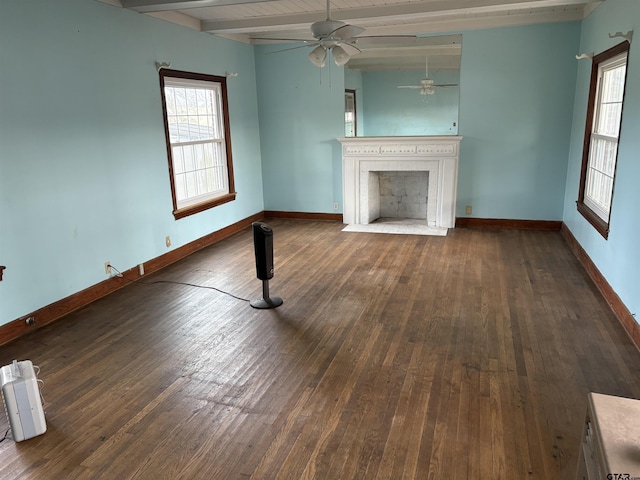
341 40
427 85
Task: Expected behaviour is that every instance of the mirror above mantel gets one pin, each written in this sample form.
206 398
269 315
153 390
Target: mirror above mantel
383 109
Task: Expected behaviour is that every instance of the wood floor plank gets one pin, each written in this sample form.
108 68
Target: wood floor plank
468 356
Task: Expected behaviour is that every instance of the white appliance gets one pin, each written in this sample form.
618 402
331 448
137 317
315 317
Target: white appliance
21 397
610 439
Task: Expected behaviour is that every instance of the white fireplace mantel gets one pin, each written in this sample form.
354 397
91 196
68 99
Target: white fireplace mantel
437 155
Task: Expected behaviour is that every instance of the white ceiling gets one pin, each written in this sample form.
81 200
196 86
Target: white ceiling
251 21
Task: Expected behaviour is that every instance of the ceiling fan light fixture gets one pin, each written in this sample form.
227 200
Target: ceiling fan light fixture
340 56
318 55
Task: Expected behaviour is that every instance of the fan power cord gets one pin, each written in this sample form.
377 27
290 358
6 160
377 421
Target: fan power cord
155 282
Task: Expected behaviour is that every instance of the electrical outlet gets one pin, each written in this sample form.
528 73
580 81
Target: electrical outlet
167 241
468 210
335 206
30 321
107 268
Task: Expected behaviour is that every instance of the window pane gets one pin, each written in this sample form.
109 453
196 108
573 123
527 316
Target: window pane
202 182
187 114
181 187
170 101
599 182
212 179
181 100
208 155
203 98
613 84
178 160
200 168
603 155
612 93
599 189
189 160
199 156
192 184
219 177
609 119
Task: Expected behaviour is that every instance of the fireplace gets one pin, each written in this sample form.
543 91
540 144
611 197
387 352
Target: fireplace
434 160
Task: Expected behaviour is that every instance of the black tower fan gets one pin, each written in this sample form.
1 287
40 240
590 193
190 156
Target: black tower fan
263 244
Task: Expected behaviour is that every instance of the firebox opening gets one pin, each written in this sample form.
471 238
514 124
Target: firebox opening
400 196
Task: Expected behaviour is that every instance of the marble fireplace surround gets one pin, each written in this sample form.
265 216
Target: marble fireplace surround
362 157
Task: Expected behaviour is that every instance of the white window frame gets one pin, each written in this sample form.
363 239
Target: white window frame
198 141
601 140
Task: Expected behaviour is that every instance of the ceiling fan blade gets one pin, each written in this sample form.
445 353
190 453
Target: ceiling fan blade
350 48
284 39
346 32
293 48
445 85
386 41
411 86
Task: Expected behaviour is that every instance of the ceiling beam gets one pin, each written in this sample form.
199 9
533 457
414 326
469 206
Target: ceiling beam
452 23
386 13
148 6
459 23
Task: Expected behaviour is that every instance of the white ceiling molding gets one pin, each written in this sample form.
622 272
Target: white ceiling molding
147 6
178 18
590 7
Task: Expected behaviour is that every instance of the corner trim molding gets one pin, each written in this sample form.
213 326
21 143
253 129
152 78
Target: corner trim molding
469 222
619 309
57 310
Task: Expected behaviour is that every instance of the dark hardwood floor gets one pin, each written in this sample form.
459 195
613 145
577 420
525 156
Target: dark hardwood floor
461 357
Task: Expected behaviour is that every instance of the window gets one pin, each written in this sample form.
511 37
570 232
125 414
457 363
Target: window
350 126
196 121
604 116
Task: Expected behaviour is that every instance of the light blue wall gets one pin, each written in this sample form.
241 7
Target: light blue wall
617 258
301 110
516 102
83 166
390 110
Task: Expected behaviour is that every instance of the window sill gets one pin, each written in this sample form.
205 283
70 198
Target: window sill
593 219
200 207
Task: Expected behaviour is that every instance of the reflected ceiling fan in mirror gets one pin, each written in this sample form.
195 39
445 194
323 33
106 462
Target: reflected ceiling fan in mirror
342 40
427 85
